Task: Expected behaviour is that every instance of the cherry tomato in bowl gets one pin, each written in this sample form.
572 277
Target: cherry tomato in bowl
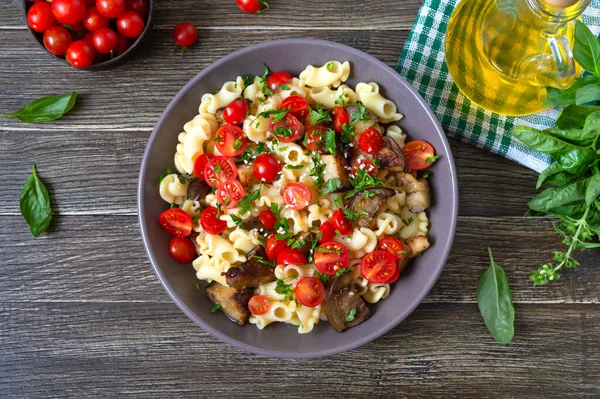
105 40
291 256
176 222
231 140
419 154
218 170
94 20
57 40
340 118
210 221
379 266
130 24
68 12
235 112
330 257
40 17
370 141
200 164
287 130
268 219
259 305
139 6
314 138
80 54
296 105
266 168
278 79
274 246
229 193
310 291
182 249
111 8
393 246
341 222
297 195
327 232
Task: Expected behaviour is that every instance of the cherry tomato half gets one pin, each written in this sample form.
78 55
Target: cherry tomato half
130 24
273 247
327 232
393 246
235 112
367 165
111 8
291 256
80 54
57 40
200 164
139 6
278 79
266 168
93 20
417 152
370 141
297 106
314 138
310 291
229 193
341 222
250 6
176 222
379 266
68 12
232 141
297 195
259 305
185 34
105 40
182 249
210 222
340 117
40 17
218 170
331 257
287 130
267 218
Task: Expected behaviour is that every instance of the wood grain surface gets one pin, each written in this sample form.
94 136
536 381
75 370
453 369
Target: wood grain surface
83 315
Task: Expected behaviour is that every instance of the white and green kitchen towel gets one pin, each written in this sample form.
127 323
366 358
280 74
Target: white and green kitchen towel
423 64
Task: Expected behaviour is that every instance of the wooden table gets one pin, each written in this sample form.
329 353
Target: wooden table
82 313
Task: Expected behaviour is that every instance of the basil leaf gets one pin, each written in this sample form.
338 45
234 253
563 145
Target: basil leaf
587 94
561 179
551 170
45 108
35 204
560 97
577 160
574 116
593 190
495 302
558 196
586 49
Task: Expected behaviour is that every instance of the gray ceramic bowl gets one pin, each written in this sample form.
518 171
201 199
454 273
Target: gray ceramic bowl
282 340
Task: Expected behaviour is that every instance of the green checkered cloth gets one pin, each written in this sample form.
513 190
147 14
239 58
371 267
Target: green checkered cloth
423 64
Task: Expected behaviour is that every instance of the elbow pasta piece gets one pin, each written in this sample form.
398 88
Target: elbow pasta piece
327 97
298 222
387 224
268 290
172 190
244 240
417 226
210 268
268 196
291 274
360 242
386 110
229 91
315 217
256 128
191 142
332 73
292 154
192 208
397 202
216 246
296 86
254 92
278 312
306 318
397 134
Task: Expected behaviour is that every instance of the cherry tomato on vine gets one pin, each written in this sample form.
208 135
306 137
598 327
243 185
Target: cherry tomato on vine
370 141
327 232
57 40
40 17
111 8
296 105
232 141
365 164
331 257
393 246
94 20
340 117
259 305
235 112
229 193
273 246
291 256
278 79
210 222
417 153
182 249
297 195
105 40
218 170
80 54
379 266
68 12
268 219
266 168
287 130
185 35
130 24
251 6
341 222
139 6
314 138
200 164
310 291
176 222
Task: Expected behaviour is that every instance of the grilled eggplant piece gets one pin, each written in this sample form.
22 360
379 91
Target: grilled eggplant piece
305 243
192 238
198 190
390 155
234 302
413 246
252 272
341 297
335 168
245 174
371 204
418 195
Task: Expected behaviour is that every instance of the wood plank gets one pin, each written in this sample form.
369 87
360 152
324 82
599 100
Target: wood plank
96 172
288 14
101 258
102 95
154 350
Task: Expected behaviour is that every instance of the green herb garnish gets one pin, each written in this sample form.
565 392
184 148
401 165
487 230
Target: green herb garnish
360 115
331 186
351 315
284 289
45 108
319 115
164 174
35 204
216 308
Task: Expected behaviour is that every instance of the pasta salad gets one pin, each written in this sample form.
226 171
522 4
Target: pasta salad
296 198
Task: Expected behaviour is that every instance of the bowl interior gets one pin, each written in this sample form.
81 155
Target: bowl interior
280 339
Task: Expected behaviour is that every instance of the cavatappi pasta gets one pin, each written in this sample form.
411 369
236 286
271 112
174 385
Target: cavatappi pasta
297 198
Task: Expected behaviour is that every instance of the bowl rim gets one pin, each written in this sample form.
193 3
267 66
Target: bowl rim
393 322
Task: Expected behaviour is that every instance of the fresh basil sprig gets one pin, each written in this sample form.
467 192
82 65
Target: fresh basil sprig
35 204
45 108
495 302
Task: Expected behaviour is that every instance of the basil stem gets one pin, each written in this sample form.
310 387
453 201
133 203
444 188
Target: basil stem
35 204
45 108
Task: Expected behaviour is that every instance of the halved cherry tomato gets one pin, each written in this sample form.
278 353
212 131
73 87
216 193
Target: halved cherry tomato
297 195
314 138
229 193
266 168
331 257
395 277
218 170
268 218
210 222
310 291
297 106
232 141
393 246
176 222
200 164
291 256
182 249
235 112
341 222
416 153
340 117
287 130
367 165
327 232
379 266
259 305
370 141
278 79
273 247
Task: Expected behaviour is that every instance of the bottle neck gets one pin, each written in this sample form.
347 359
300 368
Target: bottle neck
558 11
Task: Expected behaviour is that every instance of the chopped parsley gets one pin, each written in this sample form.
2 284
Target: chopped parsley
331 186
237 144
246 204
351 315
337 202
353 215
369 194
277 114
282 87
217 168
317 170
329 66
431 159
186 177
376 163
314 241
262 260
287 237
219 210
262 81
426 174
407 222
340 100
294 167
347 134
281 222
164 174
248 80
319 115
360 115
329 138
283 131
173 206
323 277
342 271
284 289
227 201
237 220
362 179
321 250
216 308
250 154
